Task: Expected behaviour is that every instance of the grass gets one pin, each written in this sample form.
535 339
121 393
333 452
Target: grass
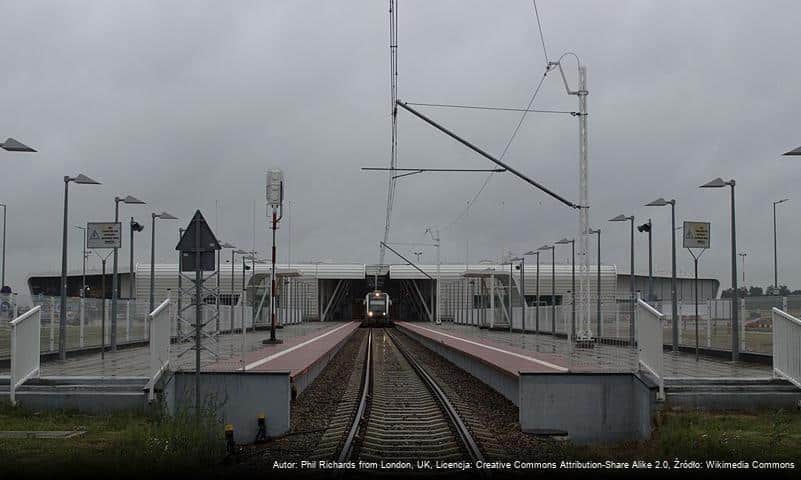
120 444
696 435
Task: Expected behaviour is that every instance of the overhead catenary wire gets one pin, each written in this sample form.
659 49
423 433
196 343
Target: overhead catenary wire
501 109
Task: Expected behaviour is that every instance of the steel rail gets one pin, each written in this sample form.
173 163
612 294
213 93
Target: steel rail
358 420
465 436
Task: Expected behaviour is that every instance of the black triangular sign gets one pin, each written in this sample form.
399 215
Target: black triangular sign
198 226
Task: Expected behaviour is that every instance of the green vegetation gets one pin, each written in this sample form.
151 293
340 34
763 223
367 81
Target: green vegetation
768 435
121 444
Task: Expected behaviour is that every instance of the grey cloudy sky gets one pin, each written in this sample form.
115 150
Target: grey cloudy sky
186 104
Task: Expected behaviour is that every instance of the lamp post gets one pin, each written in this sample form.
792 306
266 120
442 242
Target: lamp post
661 202
775 250
597 231
572 243
153 217
80 179
646 227
135 227
114 280
552 248
83 268
735 319
3 280
633 299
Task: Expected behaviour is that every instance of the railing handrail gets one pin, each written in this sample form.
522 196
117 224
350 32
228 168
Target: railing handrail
25 316
786 316
158 309
650 309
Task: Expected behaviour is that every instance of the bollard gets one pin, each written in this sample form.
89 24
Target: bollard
261 434
230 446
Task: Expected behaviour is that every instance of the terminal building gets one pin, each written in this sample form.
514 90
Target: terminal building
335 291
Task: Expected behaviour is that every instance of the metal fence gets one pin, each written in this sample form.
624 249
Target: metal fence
159 321
714 322
83 324
787 346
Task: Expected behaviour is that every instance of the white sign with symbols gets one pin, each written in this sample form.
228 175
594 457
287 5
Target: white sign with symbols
103 235
696 235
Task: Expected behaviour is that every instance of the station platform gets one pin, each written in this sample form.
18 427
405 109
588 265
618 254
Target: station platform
263 384
585 406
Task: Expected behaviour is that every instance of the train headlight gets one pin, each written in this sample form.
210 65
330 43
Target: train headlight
369 314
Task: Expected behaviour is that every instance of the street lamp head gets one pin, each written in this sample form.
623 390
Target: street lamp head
564 241
594 231
164 216
794 152
716 183
531 252
781 201
227 245
12 145
546 247
129 199
82 179
621 218
660 202
240 252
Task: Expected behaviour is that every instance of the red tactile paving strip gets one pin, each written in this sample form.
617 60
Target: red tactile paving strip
503 357
295 355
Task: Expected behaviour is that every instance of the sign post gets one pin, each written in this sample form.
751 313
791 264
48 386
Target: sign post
100 236
198 247
696 235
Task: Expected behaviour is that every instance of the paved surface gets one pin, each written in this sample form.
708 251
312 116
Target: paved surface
135 361
294 355
505 357
605 357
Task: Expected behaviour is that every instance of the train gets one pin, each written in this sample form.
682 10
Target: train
376 304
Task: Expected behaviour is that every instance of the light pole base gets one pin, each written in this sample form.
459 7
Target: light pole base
272 341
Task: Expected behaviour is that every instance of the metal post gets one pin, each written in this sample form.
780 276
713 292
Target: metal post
735 331
114 285
775 255
584 201
219 256
673 293
695 285
523 294
131 266
438 317
152 262
62 325
272 279
509 299
573 296
3 280
231 301
103 309
537 296
178 325
599 320
633 299
650 264
553 291
198 316
82 320
83 265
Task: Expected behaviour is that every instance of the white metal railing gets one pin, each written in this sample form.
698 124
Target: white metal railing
649 341
25 340
159 322
786 346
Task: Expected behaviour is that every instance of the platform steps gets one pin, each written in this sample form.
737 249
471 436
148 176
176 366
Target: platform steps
731 393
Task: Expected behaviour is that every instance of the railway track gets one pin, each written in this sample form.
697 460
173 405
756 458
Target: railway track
398 413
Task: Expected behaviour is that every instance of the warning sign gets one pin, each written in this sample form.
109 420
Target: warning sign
696 235
103 235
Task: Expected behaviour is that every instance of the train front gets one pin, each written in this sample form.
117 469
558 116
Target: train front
377 304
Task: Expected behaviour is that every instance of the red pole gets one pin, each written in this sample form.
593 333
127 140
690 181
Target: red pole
272 275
